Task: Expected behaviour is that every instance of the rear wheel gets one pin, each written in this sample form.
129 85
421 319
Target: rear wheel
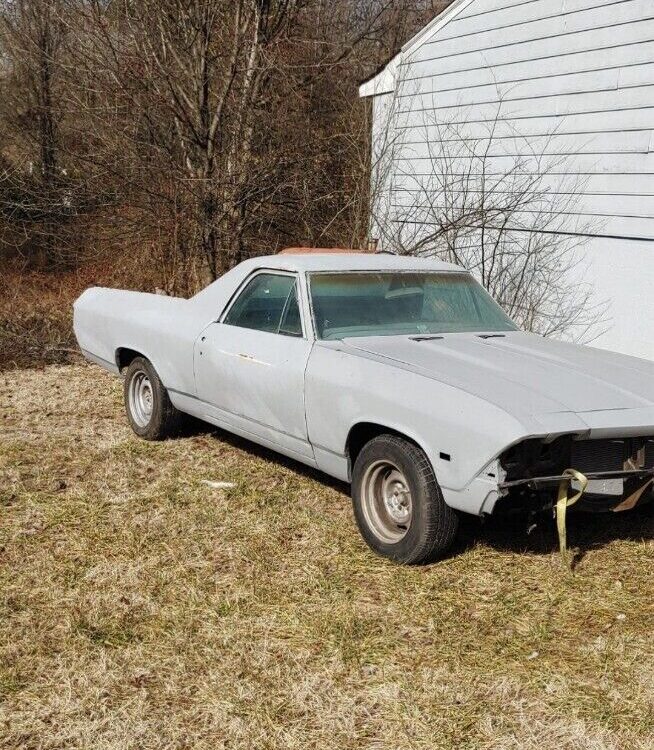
398 504
149 409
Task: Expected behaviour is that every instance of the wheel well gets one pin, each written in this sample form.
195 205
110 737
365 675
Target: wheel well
363 433
125 356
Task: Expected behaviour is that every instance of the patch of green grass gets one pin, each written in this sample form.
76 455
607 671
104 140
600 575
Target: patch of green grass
109 635
9 683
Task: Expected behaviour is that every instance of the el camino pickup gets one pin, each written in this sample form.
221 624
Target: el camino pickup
398 375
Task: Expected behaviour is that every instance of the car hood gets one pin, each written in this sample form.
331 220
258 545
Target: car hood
521 372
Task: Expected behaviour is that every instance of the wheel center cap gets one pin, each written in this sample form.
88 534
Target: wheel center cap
397 502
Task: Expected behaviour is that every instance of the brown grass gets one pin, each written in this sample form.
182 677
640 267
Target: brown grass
36 319
142 609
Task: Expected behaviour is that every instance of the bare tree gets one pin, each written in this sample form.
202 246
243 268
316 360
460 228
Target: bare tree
32 34
512 220
31 38
187 81
187 134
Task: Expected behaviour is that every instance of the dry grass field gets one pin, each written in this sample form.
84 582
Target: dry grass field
142 608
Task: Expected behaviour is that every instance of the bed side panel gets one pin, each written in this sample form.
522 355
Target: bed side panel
161 328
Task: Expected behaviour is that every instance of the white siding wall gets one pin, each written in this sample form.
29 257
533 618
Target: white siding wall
622 273
572 80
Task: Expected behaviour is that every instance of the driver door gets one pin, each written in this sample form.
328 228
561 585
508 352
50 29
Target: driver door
250 365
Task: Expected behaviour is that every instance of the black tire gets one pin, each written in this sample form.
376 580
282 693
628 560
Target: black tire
433 524
163 420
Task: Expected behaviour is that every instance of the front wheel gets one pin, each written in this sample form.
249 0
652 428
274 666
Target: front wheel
151 414
398 505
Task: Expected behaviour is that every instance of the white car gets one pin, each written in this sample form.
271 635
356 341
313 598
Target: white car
398 375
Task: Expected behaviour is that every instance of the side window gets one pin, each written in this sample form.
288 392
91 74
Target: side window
264 302
291 324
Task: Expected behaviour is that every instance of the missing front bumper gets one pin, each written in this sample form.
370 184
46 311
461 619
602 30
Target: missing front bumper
606 490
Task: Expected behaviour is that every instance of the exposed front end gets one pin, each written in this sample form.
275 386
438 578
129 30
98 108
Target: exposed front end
620 472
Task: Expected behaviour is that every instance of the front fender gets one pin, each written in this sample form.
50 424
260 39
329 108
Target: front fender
460 433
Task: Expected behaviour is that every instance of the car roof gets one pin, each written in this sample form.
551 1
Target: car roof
348 262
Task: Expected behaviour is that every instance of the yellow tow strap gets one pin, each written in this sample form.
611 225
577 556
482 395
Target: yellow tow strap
563 503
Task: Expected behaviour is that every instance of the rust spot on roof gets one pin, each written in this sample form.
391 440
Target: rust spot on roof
319 250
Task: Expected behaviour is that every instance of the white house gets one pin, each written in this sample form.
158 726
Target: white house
563 86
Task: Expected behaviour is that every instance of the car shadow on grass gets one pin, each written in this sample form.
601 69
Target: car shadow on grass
517 533
195 428
586 532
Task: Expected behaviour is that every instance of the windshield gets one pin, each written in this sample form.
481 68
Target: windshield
392 303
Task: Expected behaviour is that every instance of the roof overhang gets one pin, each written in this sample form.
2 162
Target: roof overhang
384 81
